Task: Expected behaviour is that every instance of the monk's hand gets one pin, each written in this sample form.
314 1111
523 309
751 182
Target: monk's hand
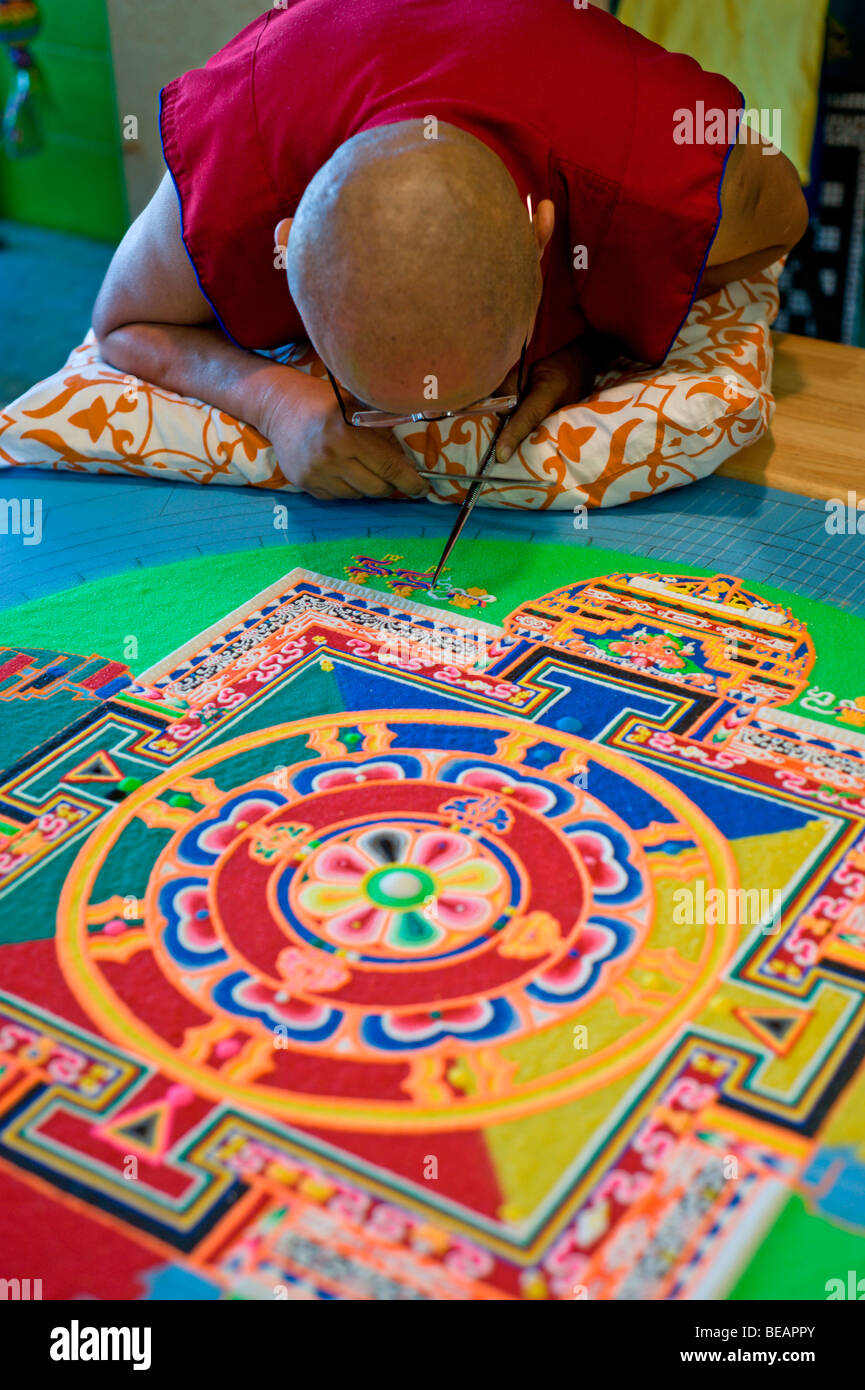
320 453
562 379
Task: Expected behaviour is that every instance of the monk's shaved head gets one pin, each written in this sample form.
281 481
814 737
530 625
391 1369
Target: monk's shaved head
410 259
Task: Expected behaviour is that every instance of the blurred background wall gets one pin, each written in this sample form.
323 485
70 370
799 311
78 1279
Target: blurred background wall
806 59
101 61
104 61
151 43
155 41
75 183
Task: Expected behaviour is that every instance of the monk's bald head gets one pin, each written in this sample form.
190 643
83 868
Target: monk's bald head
411 259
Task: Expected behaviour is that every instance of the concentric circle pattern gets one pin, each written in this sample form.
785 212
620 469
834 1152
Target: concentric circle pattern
402 935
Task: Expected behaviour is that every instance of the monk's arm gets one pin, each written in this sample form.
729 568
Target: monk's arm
152 321
763 214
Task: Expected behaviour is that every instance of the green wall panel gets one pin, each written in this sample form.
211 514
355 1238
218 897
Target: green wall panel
75 183
79 95
77 24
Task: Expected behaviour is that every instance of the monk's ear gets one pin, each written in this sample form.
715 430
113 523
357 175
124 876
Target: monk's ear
543 223
281 232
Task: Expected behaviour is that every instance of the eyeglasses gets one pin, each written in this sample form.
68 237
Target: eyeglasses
381 419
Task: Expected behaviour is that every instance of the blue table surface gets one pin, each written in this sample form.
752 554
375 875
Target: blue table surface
96 526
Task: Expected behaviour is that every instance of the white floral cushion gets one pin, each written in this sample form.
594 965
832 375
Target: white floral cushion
641 431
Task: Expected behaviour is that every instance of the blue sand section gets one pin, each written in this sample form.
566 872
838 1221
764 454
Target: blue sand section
364 689
580 705
172 1283
835 1182
736 811
588 705
450 735
638 808
94 526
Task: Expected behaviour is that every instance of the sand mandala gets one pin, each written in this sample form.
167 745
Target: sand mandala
363 936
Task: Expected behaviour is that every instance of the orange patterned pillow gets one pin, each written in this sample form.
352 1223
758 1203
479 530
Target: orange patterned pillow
641 431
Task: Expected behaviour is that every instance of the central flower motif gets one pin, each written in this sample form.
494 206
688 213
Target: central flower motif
403 889
402 886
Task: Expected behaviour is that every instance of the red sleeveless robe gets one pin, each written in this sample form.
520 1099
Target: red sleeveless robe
580 108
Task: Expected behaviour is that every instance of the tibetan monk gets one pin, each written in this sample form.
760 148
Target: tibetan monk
427 191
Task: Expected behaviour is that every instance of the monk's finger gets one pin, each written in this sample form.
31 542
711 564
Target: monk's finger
368 483
532 410
379 452
342 487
